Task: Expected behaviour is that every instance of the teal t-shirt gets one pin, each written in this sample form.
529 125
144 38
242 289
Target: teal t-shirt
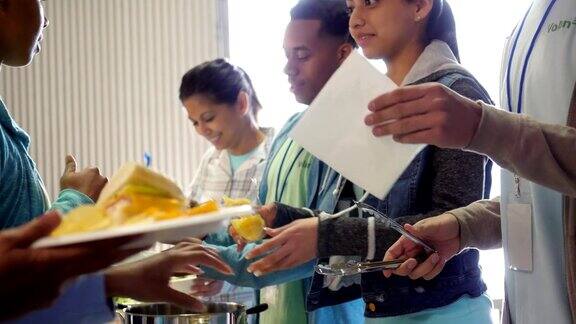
22 196
237 160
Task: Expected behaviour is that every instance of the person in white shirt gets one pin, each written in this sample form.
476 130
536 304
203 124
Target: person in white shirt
534 219
223 107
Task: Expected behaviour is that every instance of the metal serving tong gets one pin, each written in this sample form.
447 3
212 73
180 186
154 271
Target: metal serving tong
395 225
353 267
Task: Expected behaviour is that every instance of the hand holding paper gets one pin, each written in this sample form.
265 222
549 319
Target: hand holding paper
334 131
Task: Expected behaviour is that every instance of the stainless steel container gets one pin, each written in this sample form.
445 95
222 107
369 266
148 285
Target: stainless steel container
217 313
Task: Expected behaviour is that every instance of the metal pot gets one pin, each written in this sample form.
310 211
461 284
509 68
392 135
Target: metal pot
161 313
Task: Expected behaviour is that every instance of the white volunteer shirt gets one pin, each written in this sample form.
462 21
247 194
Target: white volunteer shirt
540 295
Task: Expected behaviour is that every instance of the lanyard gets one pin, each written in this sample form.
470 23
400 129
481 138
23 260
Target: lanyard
283 187
524 69
526 59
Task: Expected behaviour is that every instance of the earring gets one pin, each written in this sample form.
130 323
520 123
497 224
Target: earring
418 18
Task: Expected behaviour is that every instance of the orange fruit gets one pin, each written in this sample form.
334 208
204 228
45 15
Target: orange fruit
250 228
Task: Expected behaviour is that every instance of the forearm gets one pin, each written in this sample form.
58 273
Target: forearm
539 152
480 224
242 277
350 236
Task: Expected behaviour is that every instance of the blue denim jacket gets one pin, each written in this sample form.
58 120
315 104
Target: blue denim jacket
400 295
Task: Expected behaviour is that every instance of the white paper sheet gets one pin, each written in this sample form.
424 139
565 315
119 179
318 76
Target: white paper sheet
333 129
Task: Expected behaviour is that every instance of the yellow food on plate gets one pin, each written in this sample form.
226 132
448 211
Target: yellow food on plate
204 208
231 202
250 228
134 195
83 219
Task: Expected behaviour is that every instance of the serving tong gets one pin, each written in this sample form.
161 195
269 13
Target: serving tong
395 225
353 267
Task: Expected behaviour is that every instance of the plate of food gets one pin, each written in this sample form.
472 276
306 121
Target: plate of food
138 201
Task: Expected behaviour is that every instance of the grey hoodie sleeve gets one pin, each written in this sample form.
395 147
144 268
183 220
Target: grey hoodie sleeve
349 236
287 214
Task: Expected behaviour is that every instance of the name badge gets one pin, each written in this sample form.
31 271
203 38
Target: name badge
519 216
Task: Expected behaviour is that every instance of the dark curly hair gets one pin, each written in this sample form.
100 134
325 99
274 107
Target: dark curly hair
332 14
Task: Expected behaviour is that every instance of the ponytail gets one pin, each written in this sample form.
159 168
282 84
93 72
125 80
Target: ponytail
249 88
441 26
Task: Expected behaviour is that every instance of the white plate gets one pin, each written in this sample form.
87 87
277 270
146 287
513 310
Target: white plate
163 231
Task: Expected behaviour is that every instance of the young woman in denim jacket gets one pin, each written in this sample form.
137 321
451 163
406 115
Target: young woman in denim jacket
416 39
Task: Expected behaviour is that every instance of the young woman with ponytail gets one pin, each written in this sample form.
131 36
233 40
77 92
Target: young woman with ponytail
223 107
417 41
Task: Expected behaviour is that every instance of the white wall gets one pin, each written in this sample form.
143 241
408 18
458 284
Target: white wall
105 86
256 45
